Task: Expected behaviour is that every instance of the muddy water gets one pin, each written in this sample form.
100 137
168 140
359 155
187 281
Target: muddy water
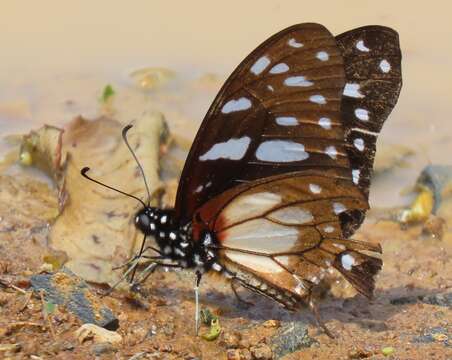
56 58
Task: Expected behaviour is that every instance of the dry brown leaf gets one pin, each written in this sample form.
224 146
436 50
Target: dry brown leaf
96 227
42 149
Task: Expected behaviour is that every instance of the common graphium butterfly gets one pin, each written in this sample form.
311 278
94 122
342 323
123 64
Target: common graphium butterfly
277 179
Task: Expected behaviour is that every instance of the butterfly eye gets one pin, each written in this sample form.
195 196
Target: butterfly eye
144 222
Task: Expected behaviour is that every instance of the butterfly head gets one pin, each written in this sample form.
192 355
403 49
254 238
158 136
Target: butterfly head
151 220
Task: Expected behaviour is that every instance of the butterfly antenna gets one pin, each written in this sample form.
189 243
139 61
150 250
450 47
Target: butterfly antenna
86 169
124 136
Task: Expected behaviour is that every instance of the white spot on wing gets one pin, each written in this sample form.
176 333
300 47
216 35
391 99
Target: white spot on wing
281 151
338 208
347 261
279 68
258 263
314 280
292 42
297 81
361 47
260 235
246 206
339 246
352 90
286 120
293 215
322 56
318 99
385 66
355 175
269 87
260 65
300 288
331 152
325 123
236 105
233 149
315 189
359 144
216 267
328 229
362 114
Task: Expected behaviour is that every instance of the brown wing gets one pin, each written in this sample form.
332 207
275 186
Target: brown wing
372 62
278 112
286 232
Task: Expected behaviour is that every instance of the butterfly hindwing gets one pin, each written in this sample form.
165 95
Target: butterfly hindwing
286 232
278 112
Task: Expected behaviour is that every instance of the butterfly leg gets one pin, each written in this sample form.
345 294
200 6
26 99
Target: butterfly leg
122 278
196 288
234 284
315 311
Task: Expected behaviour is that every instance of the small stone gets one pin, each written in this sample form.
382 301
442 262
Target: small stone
168 329
102 348
272 324
3 299
10 348
440 337
233 354
441 299
152 331
97 333
359 353
45 268
386 351
290 337
67 346
262 352
231 339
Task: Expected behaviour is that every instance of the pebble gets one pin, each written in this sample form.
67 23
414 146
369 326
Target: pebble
359 353
231 339
290 337
102 348
97 333
262 352
272 324
8 349
437 334
168 329
233 354
238 354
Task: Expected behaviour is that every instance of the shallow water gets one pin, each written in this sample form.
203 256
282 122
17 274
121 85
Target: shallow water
57 58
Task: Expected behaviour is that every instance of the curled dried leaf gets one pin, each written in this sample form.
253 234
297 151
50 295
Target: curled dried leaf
95 228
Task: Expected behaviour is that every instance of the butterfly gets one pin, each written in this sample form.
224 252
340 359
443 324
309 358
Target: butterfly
277 179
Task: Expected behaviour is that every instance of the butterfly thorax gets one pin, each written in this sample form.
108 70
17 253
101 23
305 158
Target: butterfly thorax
175 242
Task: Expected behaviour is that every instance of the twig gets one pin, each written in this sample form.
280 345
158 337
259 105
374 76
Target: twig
46 316
8 284
27 300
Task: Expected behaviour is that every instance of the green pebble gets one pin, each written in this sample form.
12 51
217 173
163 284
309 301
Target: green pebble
386 351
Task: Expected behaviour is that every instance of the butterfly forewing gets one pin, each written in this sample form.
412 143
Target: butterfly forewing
279 112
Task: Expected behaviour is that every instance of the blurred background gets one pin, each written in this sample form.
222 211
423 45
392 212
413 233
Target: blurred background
57 58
